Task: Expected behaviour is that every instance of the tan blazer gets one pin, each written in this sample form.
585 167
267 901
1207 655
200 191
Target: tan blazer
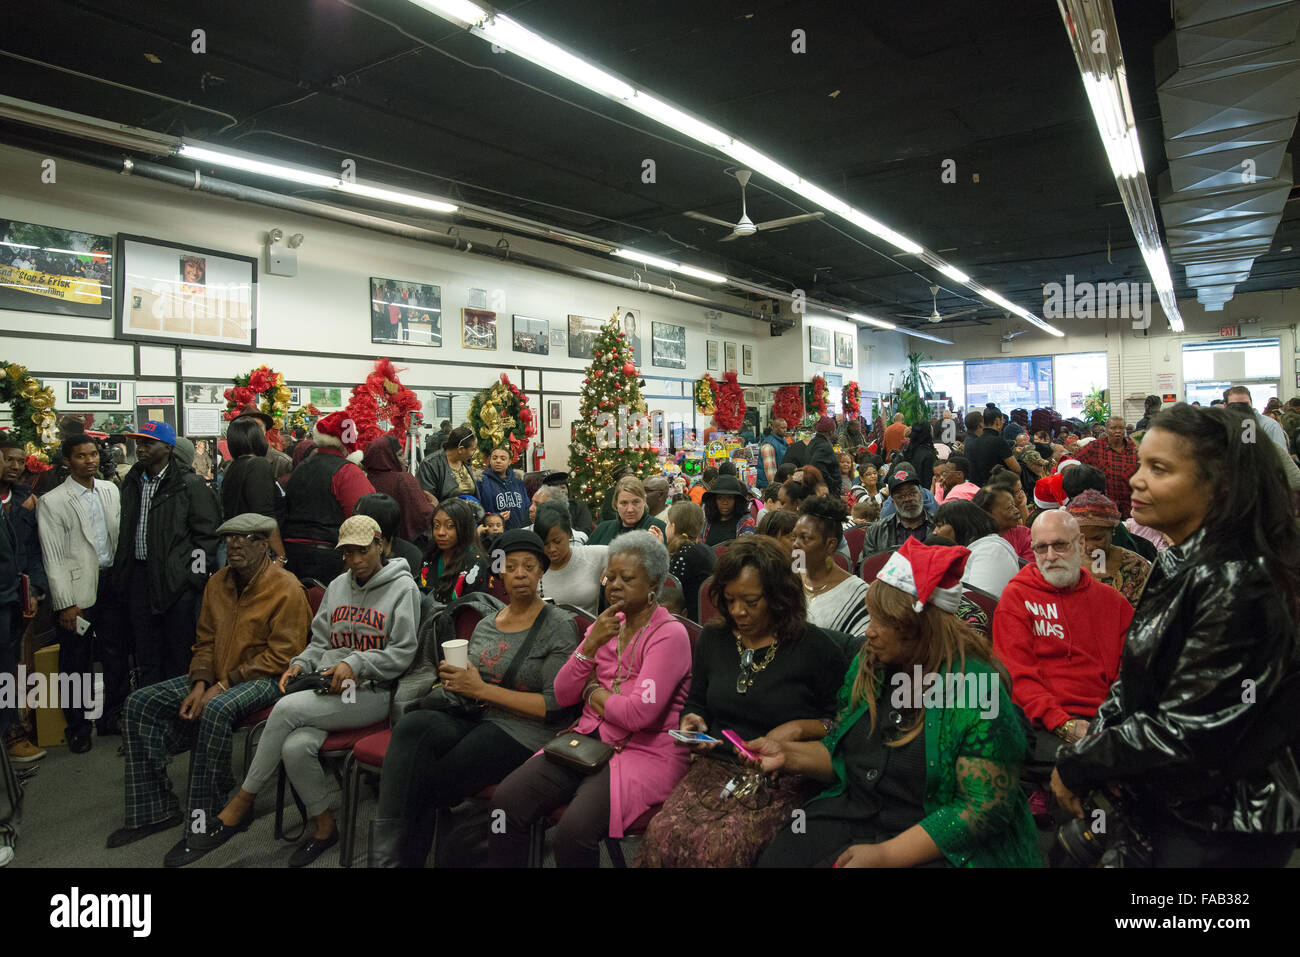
68 541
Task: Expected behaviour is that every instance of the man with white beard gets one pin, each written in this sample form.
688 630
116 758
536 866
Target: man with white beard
909 520
1059 632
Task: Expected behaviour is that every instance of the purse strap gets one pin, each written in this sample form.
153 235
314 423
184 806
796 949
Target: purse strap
507 680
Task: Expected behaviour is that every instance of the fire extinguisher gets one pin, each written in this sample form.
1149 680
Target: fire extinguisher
539 458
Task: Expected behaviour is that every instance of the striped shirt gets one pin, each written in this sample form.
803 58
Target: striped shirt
843 608
147 487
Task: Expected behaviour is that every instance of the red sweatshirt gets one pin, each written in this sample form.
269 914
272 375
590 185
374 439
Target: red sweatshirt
1061 646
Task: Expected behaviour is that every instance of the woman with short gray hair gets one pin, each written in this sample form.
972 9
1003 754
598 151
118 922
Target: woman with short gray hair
631 673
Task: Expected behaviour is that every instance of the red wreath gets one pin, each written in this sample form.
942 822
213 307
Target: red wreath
851 400
819 395
382 399
788 405
729 414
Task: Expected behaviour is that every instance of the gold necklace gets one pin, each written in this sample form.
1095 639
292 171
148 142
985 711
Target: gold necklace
749 667
817 591
619 676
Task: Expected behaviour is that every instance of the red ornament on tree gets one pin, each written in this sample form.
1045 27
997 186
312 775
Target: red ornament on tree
629 368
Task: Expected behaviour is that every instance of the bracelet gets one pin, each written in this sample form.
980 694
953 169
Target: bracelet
581 657
591 690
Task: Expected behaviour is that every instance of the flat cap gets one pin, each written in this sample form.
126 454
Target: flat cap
249 523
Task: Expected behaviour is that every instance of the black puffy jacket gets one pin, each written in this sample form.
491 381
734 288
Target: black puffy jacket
1185 725
183 519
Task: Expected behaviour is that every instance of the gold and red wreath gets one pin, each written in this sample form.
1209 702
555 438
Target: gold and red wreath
729 411
851 398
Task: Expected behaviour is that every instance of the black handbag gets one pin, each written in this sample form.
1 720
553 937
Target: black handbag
580 752
311 681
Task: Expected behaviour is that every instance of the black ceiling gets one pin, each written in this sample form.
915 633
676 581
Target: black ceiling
887 90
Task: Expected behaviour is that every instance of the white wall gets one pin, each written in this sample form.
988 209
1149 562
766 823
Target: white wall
325 308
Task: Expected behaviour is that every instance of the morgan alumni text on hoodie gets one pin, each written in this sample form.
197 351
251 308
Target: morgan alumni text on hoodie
373 627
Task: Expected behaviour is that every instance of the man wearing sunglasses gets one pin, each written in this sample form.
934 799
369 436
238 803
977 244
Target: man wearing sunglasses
1060 632
255 618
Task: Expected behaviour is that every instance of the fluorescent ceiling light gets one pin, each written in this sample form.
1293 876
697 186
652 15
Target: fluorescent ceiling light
462 11
261 167
683 122
879 323
519 40
703 274
952 272
1106 86
393 196
925 335
646 259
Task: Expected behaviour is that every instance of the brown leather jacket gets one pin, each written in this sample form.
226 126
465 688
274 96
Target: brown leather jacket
251 635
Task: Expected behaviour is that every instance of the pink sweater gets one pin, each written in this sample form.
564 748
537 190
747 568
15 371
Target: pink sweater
648 706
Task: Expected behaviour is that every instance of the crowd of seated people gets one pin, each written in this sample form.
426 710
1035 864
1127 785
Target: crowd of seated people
976 672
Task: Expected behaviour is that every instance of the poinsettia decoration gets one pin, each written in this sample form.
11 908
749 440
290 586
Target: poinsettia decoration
706 394
851 399
788 405
382 405
264 388
729 411
818 395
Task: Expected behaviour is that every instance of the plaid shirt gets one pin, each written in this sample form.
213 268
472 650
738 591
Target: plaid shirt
770 464
147 487
1119 468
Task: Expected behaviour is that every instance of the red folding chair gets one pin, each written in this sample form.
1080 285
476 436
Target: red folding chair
872 565
707 610
854 537
720 549
988 604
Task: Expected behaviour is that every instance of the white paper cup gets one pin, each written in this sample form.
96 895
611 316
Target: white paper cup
456 652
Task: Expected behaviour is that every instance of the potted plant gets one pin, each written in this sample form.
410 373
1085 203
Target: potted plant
1096 410
912 389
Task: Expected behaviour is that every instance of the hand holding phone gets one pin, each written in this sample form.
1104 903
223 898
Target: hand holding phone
693 737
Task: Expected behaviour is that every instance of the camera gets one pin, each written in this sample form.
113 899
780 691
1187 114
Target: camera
1084 840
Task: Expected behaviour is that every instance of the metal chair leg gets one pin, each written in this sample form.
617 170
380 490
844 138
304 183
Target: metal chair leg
348 815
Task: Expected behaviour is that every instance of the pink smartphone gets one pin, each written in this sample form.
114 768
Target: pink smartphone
739 745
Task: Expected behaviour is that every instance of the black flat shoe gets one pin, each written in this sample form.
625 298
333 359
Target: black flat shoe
219 833
79 742
129 835
182 854
311 849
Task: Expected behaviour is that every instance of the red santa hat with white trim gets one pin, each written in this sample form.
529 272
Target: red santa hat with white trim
932 573
330 432
1049 491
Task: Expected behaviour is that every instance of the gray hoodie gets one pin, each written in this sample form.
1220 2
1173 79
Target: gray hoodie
373 627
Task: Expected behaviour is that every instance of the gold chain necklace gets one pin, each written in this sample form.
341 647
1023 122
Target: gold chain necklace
619 676
749 667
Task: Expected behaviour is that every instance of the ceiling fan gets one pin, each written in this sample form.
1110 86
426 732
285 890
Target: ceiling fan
934 315
1008 336
746 226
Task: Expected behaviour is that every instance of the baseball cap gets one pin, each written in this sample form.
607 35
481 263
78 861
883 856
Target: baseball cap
154 429
358 530
901 474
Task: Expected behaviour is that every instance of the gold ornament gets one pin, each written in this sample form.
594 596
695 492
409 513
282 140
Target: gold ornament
42 401
390 387
30 389
282 394
17 372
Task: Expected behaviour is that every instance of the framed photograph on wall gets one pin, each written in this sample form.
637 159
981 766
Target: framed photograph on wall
669 345
582 336
748 352
559 338
844 350
478 329
819 346
295 396
532 336
553 414
630 324
731 363
97 391
711 355
58 271
168 293
204 393
409 313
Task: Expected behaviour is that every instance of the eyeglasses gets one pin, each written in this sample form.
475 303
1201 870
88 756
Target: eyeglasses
1063 548
237 538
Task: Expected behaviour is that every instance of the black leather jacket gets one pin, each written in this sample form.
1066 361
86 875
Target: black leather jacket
1210 642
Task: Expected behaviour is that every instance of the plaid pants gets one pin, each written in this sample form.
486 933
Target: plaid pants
153 731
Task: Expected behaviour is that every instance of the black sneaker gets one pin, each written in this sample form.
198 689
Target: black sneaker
129 835
79 741
182 854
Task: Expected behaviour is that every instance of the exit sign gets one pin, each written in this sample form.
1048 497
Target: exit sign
1229 332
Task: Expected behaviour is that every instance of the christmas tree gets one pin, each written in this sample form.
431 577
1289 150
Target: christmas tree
614 428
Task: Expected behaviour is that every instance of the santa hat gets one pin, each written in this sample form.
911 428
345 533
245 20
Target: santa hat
1065 463
930 572
1049 491
328 432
